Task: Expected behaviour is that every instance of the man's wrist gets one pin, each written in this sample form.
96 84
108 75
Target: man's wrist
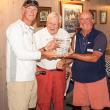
42 54
45 48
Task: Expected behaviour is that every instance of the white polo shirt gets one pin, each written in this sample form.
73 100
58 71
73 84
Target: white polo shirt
42 37
21 53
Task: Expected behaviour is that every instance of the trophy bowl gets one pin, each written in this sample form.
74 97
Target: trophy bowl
63 46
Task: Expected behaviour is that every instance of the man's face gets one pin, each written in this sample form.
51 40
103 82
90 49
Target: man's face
86 21
29 13
52 25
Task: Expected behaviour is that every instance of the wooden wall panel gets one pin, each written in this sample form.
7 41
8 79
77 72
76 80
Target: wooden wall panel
9 12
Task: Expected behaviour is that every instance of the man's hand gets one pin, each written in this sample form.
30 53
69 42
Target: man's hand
48 54
51 45
67 55
61 64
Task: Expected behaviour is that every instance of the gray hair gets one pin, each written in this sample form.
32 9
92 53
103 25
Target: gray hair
56 15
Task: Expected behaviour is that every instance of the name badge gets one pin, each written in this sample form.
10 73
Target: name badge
89 50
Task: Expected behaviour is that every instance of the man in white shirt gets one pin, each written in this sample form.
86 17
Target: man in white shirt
51 86
21 59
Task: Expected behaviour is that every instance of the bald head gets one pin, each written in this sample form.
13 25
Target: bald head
86 21
86 13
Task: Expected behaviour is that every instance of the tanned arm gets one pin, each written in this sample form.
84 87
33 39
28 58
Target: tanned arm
90 57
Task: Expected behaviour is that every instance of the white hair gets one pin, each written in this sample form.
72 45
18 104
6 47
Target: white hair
56 15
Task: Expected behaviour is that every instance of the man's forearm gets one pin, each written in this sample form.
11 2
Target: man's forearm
85 57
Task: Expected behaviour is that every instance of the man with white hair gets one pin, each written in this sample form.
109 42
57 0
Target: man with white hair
51 86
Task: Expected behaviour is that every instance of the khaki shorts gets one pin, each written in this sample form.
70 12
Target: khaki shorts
22 95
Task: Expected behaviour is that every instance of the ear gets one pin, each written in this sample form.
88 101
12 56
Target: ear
93 21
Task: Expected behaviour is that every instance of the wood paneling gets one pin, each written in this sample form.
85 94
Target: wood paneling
9 12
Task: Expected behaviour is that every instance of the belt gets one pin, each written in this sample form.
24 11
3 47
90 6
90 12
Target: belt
50 70
40 72
43 72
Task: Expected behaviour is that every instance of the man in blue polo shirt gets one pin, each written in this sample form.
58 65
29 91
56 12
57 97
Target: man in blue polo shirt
88 69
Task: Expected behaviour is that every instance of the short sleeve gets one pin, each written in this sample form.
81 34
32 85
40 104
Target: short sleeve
100 43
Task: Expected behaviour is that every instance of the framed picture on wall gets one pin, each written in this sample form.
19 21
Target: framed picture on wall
94 14
103 17
70 16
42 16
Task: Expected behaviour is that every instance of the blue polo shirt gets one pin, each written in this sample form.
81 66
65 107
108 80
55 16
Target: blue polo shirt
86 72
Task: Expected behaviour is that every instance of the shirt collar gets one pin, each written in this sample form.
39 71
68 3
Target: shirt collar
80 33
29 28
